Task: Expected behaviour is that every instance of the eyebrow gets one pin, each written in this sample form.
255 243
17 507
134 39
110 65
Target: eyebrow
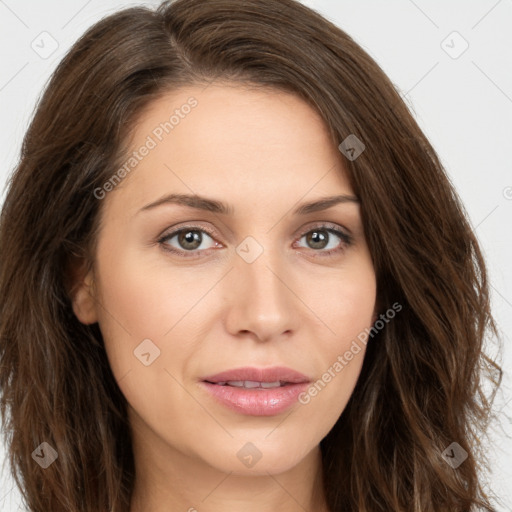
214 206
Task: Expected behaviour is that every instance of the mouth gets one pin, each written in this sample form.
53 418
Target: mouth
256 392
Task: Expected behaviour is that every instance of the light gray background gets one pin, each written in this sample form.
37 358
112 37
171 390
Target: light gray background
462 102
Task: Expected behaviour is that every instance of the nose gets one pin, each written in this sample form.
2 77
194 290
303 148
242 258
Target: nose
261 301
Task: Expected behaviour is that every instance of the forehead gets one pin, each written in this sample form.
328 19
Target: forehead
229 139
232 114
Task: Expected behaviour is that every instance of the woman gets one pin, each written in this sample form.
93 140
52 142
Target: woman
235 276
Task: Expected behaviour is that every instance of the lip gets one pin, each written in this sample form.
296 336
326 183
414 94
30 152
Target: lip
257 401
281 373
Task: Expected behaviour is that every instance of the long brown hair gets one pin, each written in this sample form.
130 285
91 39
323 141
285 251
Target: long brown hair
421 385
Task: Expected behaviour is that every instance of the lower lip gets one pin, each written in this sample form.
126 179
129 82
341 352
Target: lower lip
257 401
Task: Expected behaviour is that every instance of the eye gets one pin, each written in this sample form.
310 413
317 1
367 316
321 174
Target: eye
327 239
189 239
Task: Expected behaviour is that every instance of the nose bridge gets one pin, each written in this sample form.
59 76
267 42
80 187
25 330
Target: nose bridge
262 302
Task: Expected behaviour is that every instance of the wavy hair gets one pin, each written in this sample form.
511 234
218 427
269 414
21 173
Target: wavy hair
421 384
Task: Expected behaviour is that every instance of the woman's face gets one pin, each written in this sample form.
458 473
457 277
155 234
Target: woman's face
258 285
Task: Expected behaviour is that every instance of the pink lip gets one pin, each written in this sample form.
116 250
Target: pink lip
273 374
257 401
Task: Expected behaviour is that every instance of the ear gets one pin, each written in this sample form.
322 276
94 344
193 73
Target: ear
82 292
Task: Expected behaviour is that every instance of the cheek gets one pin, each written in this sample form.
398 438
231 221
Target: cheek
136 305
344 300
346 307
143 297
147 327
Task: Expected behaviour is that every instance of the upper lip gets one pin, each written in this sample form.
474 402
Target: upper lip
274 374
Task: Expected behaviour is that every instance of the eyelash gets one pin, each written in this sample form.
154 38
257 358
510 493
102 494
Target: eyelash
346 240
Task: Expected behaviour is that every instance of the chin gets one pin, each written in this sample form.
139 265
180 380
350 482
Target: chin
257 458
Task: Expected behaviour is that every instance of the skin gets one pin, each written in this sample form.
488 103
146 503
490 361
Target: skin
263 152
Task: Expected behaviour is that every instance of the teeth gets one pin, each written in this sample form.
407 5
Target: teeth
249 384
270 384
236 383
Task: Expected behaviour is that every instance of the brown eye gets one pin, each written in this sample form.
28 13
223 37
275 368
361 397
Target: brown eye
188 239
317 239
327 240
